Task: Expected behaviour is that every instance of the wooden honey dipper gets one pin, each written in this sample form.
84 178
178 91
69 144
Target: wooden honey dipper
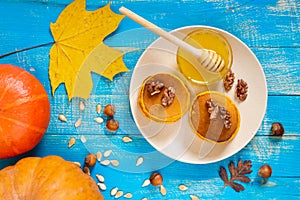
207 58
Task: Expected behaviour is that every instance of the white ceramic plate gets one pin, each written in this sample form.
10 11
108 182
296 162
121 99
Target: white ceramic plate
177 140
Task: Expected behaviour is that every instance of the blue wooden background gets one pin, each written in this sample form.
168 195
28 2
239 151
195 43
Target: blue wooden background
271 28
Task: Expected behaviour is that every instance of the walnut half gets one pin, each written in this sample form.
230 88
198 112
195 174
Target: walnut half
242 90
154 87
168 97
228 80
215 110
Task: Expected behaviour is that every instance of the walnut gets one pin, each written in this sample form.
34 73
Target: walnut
154 87
212 109
168 97
228 80
225 115
215 110
242 90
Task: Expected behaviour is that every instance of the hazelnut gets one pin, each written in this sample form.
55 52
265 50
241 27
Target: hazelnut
156 179
90 160
86 170
265 171
109 110
112 125
277 129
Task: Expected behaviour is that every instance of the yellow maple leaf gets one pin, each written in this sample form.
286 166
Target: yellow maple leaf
79 49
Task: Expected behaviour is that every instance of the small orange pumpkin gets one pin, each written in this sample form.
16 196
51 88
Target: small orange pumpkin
48 178
24 111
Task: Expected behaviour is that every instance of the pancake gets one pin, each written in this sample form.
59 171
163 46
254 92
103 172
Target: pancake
152 105
214 128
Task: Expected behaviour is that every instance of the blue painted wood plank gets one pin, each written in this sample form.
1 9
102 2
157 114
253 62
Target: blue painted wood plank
278 152
282 68
256 23
284 109
202 180
269 28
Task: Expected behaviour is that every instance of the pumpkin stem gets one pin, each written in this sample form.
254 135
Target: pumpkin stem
25 49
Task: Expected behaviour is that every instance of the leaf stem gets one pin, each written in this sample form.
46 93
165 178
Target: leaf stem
25 49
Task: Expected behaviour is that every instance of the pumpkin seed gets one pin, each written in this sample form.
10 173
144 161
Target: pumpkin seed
193 197
115 163
146 183
81 106
102 186
78 122
105 162
62 118
83 139
100 178
139 161
98 108
87 170
113 191
77 163
99 120
144 198
182 187
126 139
107 153
128 195
163 190
99 156
119 194
71 142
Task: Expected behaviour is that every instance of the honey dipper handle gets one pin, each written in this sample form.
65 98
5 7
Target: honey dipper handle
159 31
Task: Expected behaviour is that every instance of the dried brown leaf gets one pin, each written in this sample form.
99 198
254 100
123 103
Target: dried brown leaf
248 165
244 167
237 187
247 172
238 173
232 169
223 174
244 179
240 163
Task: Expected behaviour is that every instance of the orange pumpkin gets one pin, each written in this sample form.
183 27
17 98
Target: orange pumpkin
24 111
48 178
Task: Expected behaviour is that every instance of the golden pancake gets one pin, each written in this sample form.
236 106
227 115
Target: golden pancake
152 102
212 126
